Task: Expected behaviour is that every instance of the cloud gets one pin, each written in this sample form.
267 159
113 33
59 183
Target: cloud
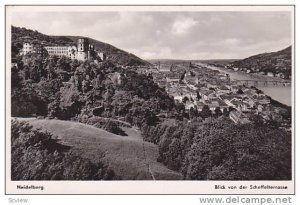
182 25
165 52
231 42
181 35
158 32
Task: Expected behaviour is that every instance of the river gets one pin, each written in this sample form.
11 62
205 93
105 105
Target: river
282 94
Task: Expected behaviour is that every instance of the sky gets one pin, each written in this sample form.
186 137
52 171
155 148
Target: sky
171 35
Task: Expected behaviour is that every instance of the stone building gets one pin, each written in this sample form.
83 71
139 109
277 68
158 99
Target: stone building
32 48
57 50
83 51
27 48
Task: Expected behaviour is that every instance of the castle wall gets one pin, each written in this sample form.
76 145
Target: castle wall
57 50
82 56
101 55
72 52
82 51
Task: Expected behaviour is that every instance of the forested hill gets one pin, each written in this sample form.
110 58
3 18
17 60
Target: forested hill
117 56
275 62
114 54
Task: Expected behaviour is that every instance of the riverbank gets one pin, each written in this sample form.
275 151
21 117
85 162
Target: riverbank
257 76
282 95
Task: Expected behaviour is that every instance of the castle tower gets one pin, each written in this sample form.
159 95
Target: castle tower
83 47
91 51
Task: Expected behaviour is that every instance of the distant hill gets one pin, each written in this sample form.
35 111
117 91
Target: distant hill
175 61
274 62
218 61
118 56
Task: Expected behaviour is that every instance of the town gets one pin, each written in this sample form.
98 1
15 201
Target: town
198 87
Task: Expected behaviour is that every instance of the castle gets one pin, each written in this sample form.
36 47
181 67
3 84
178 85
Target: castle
83 51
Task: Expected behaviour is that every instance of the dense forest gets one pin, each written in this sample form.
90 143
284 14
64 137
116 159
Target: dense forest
72 90
217 149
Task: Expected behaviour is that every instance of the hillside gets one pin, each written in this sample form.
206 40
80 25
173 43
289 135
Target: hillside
168 61
129 156
114 54
275 62
101 93
117 56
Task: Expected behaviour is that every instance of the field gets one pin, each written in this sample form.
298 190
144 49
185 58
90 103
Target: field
129 156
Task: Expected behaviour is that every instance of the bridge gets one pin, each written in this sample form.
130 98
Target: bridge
266 83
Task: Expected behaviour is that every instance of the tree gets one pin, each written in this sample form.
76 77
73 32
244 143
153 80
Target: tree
185 99
198 96
226 112
112 127
205 112
240 92
74 65
193 113
259 91
15 78
272 122
231 109
182 76
64 64
34 74
26 101
174 155
71 102
218 112
257 120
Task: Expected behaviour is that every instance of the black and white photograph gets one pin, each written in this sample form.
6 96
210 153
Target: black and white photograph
150 93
